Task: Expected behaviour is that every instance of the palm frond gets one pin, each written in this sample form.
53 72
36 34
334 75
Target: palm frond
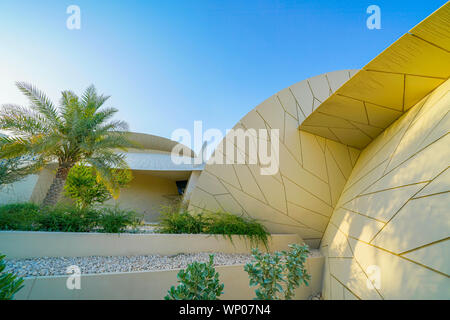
40 102
22 121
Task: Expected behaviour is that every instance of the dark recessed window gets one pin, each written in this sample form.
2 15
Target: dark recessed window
181 185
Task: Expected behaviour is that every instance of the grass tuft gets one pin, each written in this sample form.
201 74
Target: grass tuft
177 219
66 218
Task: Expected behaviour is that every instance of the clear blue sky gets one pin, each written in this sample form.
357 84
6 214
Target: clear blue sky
168 63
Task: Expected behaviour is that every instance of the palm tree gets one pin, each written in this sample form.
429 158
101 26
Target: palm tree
78 131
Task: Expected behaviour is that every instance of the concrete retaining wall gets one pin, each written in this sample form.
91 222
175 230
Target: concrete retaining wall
26 244
152 285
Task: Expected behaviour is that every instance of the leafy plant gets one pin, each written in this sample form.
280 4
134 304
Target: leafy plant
66 218
78 131
296 274
277 275
177 219
19 216
199 281
10 284
267 272
115 220
228 224
85 187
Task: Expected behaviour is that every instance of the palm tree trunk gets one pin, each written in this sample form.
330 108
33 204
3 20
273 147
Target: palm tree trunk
52 196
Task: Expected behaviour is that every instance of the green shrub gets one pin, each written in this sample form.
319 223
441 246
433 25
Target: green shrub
66 218
294 263
85 187
229 224
199 281
19 216
176 219
10 284
278 273
115 220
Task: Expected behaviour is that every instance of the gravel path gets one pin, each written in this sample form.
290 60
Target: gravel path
49 266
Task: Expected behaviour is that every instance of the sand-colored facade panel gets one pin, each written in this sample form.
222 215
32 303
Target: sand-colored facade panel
204 201
436 28
384 204
416 87
439 185
356 225
313 159
394 209
400 278
338 246
336 178
355 109
288 103
273 114
427 217
434 256
248 181
370 131
350 274
421 167
380 116
341 156
366 85
291 139
304 96
210 184
320 87
337 78
412 55
302 197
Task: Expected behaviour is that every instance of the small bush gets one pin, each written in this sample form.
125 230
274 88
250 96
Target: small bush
179 220
10 284
66 218
176 219
19 216
115 220
228 224
270 272
199 281
85 187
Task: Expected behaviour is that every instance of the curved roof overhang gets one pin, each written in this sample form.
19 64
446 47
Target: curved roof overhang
151 142
378 94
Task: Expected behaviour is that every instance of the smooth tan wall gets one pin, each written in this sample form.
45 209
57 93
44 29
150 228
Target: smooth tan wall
146 194
393 215
152 285
31 244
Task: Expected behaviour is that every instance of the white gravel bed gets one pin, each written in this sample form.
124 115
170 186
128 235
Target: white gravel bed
51 266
